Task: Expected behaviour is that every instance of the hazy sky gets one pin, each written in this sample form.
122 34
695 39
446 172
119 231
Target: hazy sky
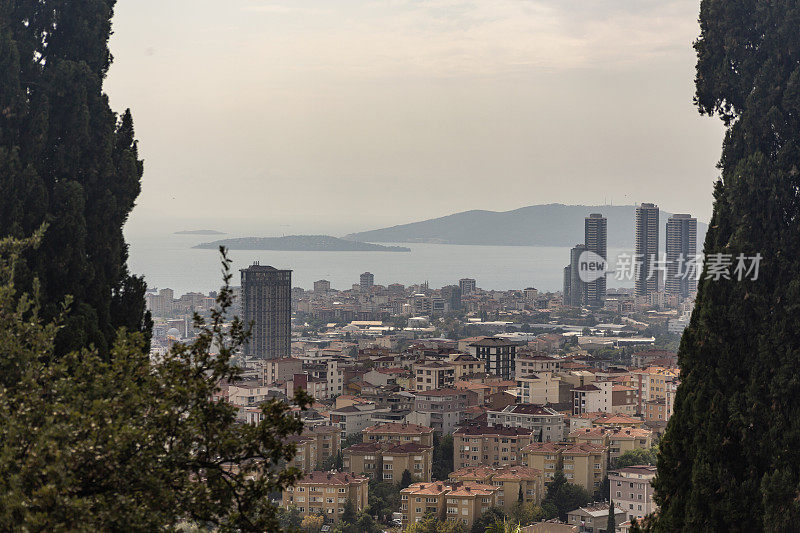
339 115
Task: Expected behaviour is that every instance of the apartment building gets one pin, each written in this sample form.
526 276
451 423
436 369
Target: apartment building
326 493
354 418
440 409
306 457
531 364
585 464
497 354
618 439
511 480
476 445
545 423
431 375
465 365
631 489
594 518
328 440
462 502
279 370
539 387
543 456
624 399
387 461
399 433
594 397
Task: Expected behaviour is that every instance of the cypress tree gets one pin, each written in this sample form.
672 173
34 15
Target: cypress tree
67 160
729 459
611 525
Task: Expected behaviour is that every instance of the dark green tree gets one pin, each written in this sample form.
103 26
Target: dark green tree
487 519
129 444
442 456
521 495
729 458
66 159
564 496
349 514
384 499
611 526
406 480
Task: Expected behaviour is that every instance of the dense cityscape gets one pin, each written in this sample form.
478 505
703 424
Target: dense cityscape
462 404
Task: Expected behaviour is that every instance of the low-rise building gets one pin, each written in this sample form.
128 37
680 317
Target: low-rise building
459 501
631 489
541 388
387 461
543 456
476 445
585 465
594 518
512 480
465 365
279 370
531 364
430 375
326 493
440 409
354 418
399 433
546 423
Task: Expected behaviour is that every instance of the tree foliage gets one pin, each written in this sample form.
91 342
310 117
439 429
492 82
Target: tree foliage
431 524
637 456
67 160
563 497
126 443
488 519
729 458
442 456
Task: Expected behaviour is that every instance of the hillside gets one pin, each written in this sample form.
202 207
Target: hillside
301 243
536 225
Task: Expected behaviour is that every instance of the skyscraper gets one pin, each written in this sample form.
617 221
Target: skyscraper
267 306
646 278
681 247
567 284
596 238
577 287
367 280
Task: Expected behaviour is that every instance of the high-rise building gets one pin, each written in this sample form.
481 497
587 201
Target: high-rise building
367 280
322 285
452 295
681 248
646 278
467 286
267 307
567 284
596 238
577 287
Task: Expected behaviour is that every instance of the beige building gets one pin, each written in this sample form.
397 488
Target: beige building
594 518
631 490
541 388
326 493
585 465
279 370
399 433
465 365
306 457
543 456
328 440
484 445
387 461
618 439
510 480
431 375
533 364
457 501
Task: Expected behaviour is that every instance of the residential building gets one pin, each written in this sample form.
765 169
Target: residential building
354 418
323 286
399 434
366 281
577 287
328 440
594 518
543 456
594 397
280 370
544 423
646 280
631 489
465 365
512 481
585 464
595 235
387 461
497 354
430 375
531 364
306 457
461 501
476 445
267 308
440 409
467 286
540 388
682 268
326 493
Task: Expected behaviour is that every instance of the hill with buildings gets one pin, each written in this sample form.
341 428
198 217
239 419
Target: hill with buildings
301 243
536 225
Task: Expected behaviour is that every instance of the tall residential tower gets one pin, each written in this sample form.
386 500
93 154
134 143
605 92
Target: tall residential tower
267 306
596 239
681 249
646 278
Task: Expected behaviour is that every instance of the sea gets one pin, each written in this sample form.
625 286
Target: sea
168 260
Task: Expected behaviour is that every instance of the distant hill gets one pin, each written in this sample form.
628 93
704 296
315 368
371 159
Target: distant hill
302 243
536 225
199 232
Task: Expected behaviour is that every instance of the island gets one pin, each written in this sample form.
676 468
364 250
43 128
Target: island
301 243
200 232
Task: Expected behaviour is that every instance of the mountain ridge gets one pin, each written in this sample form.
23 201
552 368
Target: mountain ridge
533 225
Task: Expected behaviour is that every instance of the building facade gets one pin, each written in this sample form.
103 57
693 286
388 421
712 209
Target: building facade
498 355
326 493
631 489
267 308
596 239
681 251
646 279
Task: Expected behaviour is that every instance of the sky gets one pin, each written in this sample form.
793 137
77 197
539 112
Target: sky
293 116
